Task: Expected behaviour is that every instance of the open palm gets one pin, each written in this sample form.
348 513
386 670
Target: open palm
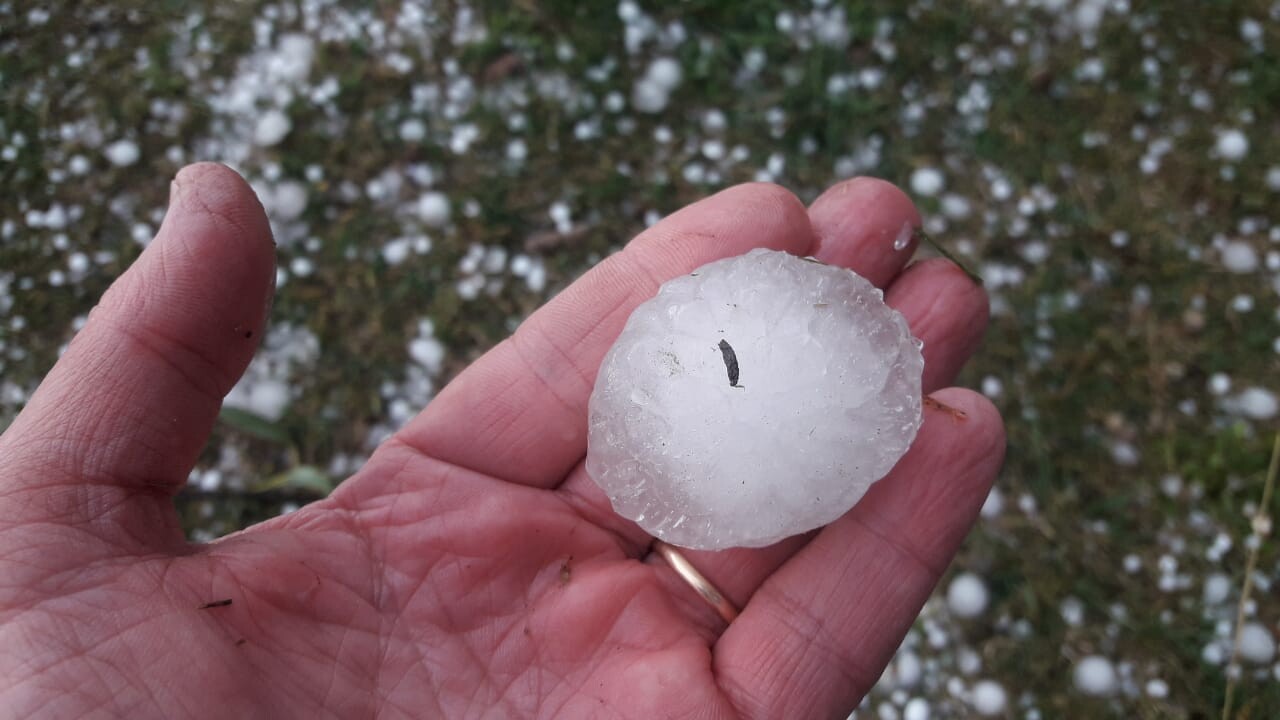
471 569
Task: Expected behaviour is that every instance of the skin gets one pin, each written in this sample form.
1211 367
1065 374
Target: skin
470 569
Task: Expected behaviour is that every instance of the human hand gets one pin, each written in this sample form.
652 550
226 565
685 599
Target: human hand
471 568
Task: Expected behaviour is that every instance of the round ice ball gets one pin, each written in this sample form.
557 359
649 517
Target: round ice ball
756 398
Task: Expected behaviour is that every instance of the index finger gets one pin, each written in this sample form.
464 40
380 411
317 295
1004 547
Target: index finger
520 412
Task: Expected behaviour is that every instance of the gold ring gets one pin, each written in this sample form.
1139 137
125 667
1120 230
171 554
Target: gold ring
690 574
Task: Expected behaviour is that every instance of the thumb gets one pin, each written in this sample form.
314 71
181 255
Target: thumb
117 424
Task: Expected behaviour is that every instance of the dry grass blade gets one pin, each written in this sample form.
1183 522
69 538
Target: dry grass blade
1261 527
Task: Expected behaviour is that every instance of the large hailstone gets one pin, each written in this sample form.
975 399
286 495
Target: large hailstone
753 399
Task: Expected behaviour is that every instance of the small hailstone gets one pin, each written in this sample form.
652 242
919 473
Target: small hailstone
968 661
907 669
271 128
1217 587
433 209
302 266
652 90
648 97
665 72
536 278
396 251
1232 145
413 130
993 505
1273 178
927 181
1219 383
495 260
268 398
708 423
427 352
1239 257
1072 610
916 709
989 698
78 263
1157 688
1257 403
1250 30
122 153
1257 643
1095 675
562 215
955 206
1124 453
289 200
967 595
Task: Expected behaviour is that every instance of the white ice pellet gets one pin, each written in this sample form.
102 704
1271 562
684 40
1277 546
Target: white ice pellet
122 153
1217 587
648 97
1131 563
916 709
427 352
288 200
956 207
1239 257
1095 675
967 595
78 263
907 669
1257 643
993 505
665 72
1257 403
1124 453
268 398
1231 145
413 130
1219 383
1273 178
517 150
968 661
395 251
1250 30
927 181
432 209
989 698
536 278
652 90
1072 610
271 128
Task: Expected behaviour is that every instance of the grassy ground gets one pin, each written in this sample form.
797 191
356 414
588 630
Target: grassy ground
1090 174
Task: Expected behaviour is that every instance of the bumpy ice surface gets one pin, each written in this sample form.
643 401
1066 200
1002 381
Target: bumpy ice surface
827 400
